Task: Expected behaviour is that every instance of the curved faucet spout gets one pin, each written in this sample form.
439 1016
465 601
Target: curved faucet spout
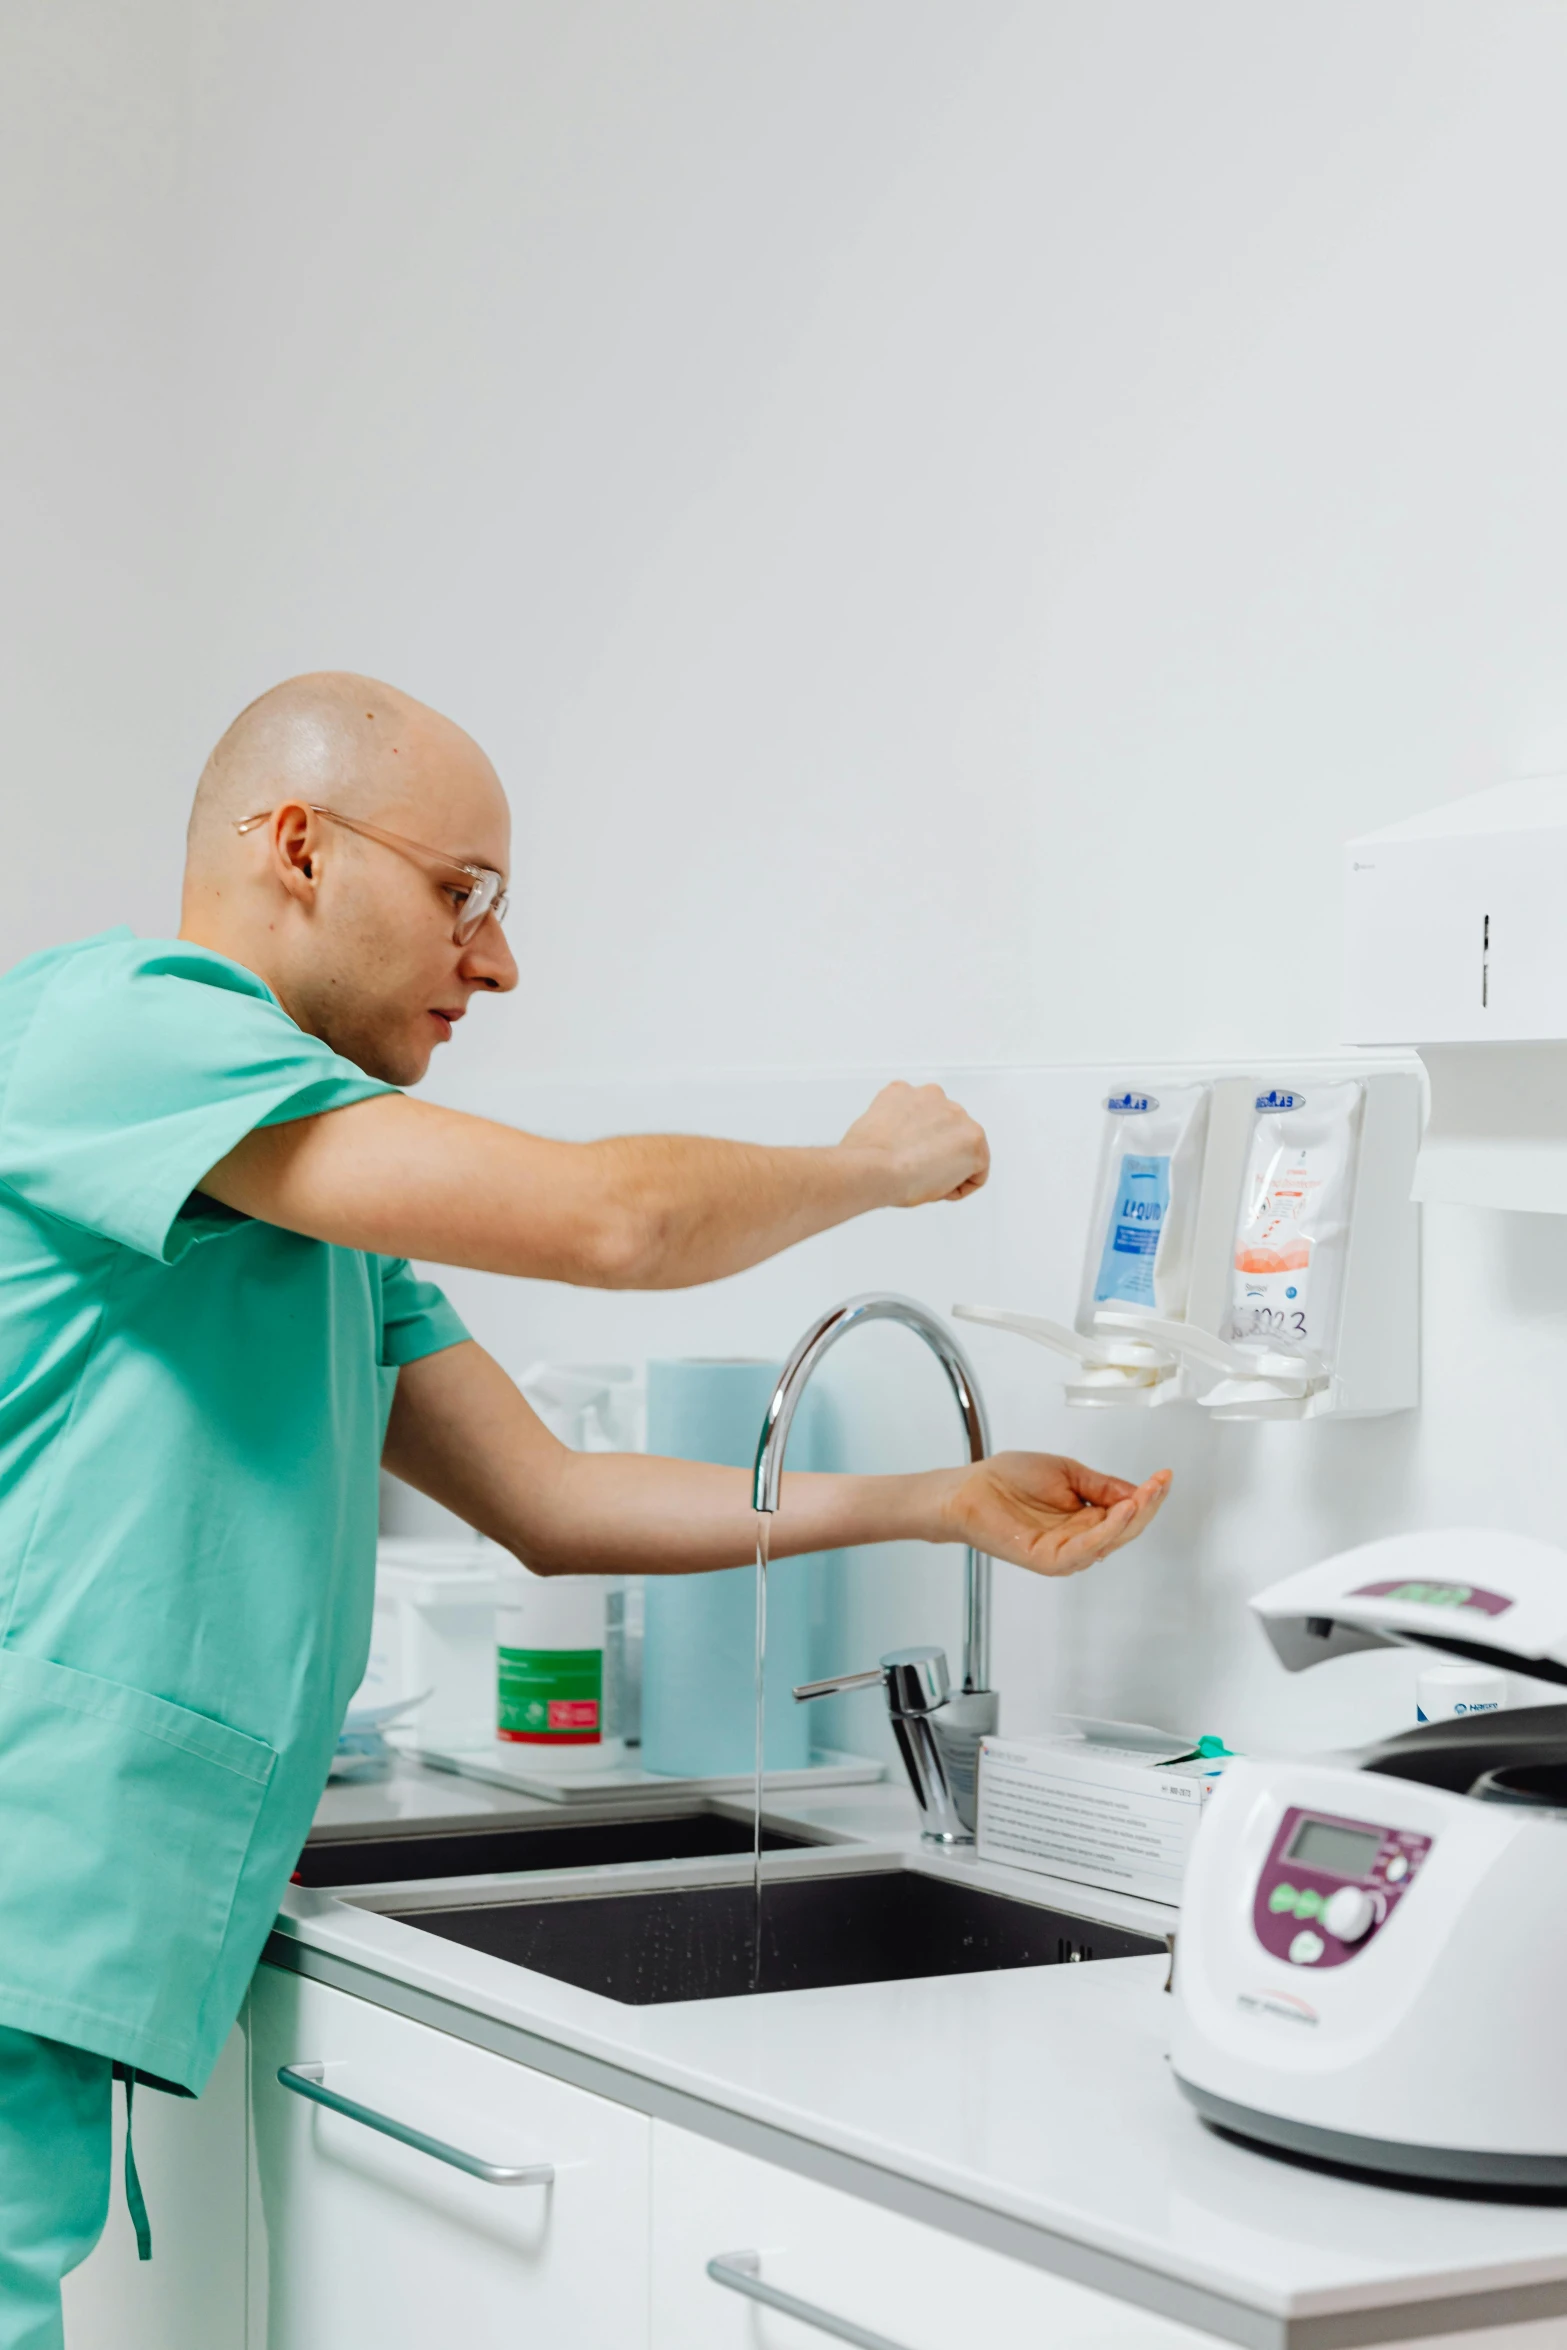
883 1306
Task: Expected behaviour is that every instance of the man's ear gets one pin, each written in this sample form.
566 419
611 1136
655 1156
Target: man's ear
296 848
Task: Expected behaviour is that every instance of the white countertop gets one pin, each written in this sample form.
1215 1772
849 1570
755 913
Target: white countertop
1040 2093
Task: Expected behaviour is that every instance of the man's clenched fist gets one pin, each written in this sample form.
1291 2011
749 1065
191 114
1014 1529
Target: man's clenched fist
931 1148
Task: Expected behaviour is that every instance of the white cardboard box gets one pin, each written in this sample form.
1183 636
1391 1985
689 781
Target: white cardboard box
1104 1803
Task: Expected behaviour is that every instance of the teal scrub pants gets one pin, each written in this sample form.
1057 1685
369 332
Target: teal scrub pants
55 2154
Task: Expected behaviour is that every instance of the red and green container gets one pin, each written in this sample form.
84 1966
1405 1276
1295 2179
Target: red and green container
549 1632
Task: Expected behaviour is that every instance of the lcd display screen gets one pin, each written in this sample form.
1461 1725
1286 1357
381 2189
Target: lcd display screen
1338 1852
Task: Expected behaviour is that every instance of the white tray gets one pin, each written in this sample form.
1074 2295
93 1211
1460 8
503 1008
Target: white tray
531 1775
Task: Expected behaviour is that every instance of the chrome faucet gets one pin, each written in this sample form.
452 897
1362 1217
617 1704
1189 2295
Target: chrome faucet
938 1733
919 1693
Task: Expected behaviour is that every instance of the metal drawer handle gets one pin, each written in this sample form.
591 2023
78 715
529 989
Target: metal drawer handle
306 2081
741 2272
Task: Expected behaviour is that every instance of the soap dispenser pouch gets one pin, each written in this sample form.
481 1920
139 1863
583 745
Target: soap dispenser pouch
1138 1258
1292 1238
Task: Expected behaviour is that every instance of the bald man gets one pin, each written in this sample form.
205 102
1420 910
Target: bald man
211 1184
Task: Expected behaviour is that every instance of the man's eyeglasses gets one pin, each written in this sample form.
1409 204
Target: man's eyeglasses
479 892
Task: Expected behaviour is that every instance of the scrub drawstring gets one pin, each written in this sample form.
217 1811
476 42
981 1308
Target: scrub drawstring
135 2200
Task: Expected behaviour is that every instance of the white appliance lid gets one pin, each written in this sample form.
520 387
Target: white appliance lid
1466 1589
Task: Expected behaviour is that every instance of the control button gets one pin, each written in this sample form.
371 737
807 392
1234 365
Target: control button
1308 1903
1282 1897
1306 1949
1397 1868
1349 1913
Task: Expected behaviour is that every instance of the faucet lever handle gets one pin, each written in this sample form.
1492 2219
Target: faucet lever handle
838 1683
917 1680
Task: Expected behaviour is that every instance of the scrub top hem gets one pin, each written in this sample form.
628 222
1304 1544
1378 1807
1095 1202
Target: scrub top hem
96 2034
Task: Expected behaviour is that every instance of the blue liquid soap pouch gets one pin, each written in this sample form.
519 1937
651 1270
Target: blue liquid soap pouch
1131 1243
1145 1201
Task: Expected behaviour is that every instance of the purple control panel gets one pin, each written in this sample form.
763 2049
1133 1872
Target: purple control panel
1316 1855
1449 1595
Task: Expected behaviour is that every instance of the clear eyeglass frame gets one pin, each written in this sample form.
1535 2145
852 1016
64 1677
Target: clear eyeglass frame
485 892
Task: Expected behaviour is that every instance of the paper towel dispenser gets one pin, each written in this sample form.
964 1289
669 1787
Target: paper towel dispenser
1454 928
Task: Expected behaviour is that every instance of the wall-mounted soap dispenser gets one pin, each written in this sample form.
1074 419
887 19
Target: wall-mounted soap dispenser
1158 1243
1296 1281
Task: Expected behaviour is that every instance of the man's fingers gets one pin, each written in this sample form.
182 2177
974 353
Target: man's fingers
1122 1522
1095 1486
1094 1533
929 1146
1142 1508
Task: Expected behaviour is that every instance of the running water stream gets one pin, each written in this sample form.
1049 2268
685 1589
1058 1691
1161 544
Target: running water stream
763 1529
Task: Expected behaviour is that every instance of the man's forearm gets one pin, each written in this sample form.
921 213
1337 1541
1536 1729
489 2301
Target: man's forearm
644 1211
696 1210
654 1211
635 1513
460 1432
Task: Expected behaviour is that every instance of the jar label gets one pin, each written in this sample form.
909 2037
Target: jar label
551 1696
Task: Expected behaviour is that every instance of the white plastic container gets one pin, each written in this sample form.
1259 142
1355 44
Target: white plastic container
1443 1692
550 1681
568 1648
434 1631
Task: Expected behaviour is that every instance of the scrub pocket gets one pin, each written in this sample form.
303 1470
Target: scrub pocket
125 1829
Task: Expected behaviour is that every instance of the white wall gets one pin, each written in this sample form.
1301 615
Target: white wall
93 683
946 518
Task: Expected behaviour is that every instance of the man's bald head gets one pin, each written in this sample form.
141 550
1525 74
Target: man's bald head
329 739
355 936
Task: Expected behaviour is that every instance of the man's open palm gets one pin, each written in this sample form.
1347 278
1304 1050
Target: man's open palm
1051 1515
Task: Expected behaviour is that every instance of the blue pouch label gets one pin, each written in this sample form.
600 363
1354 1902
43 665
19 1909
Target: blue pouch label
1126 1268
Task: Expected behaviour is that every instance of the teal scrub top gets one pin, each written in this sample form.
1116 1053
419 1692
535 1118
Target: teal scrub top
192 1407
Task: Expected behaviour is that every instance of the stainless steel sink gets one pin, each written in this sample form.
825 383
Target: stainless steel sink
876 1925
399 1856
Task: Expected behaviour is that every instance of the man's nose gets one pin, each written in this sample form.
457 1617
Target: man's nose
487 960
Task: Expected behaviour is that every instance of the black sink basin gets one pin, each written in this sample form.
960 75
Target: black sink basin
389 1859
883 1926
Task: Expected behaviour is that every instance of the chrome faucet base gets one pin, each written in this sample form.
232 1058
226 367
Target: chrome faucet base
919 1695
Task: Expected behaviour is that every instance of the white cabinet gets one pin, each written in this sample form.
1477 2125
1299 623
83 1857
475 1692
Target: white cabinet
359 2242
190 2153
898 2280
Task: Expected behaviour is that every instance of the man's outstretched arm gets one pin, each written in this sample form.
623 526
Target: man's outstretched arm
643 1211
462 1433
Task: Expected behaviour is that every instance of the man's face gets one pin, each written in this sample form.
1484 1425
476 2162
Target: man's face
379 975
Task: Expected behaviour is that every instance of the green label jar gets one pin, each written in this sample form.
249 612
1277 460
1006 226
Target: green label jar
551 1696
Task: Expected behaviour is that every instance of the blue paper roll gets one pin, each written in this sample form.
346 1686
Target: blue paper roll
699 1676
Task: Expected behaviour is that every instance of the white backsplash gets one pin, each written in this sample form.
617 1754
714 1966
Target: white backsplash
1160 1633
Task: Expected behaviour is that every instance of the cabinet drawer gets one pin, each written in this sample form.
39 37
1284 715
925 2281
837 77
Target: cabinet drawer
362 2242
910 2284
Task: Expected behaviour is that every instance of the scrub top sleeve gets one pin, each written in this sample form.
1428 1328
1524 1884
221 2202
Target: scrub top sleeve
139 1070
416 1319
